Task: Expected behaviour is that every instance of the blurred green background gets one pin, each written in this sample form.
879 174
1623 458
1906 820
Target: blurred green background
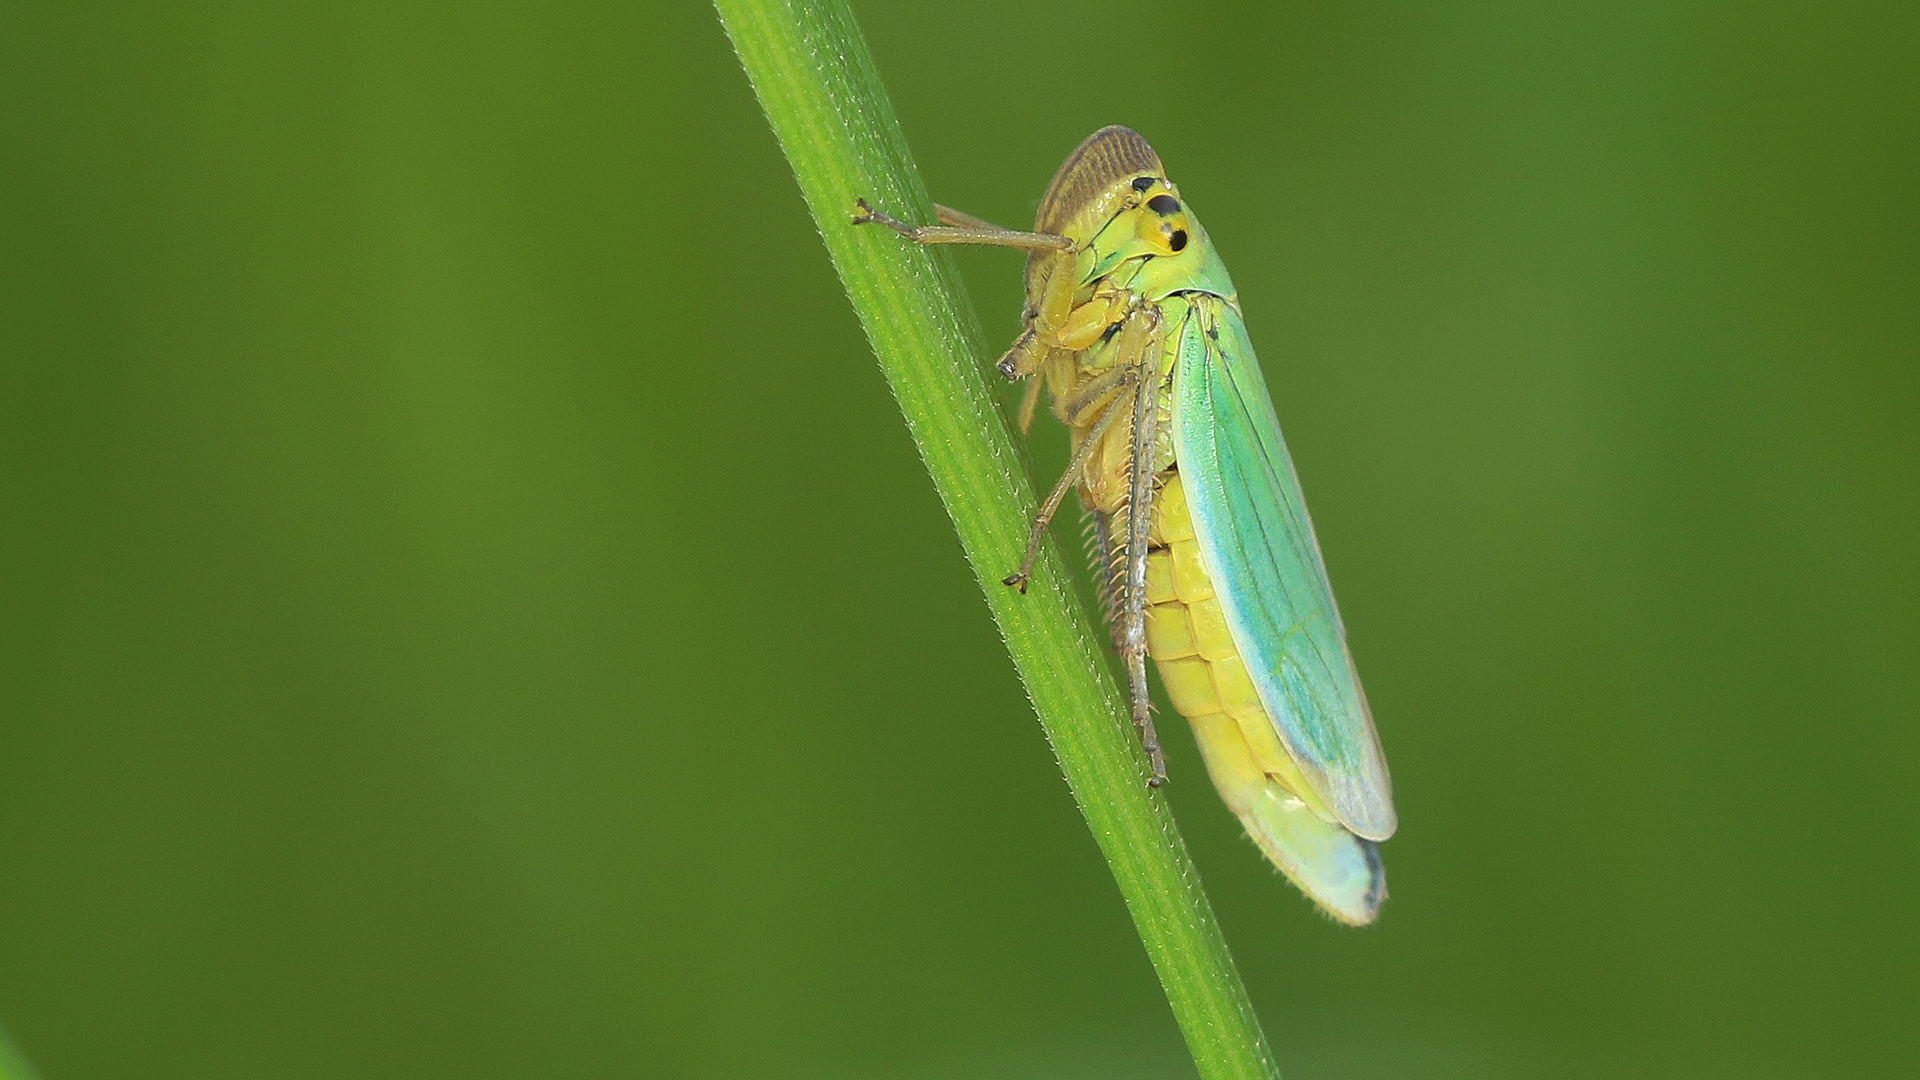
471 607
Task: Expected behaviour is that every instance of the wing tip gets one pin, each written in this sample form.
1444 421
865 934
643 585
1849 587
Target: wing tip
1361 799
1368 815
1340 872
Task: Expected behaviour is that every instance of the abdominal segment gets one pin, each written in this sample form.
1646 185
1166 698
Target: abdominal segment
1188 638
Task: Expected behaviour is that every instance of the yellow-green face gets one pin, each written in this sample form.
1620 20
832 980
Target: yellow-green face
1150 242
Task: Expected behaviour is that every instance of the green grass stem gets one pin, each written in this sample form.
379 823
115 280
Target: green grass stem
13 1065
817 82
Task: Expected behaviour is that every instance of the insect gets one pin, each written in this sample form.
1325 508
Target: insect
1205 555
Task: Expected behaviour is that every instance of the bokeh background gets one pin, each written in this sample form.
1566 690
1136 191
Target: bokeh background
471 608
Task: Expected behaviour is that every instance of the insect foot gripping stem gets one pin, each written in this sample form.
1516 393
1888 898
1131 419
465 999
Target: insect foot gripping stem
869 216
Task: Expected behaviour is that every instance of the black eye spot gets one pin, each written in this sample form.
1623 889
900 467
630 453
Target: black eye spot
1164 204
1142 183
1178 241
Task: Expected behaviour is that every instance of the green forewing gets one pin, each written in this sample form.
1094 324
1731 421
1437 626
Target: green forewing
1258 547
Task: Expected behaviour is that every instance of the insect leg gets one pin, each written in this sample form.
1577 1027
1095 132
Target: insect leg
1028 402
1025 356
963 234
1133 626
1095 399
1056 325
1019 578
1092 394
949 216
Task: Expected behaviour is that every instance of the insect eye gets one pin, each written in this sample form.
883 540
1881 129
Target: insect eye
1142 183
1165 233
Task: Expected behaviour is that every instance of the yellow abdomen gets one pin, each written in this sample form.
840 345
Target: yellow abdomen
1188 638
